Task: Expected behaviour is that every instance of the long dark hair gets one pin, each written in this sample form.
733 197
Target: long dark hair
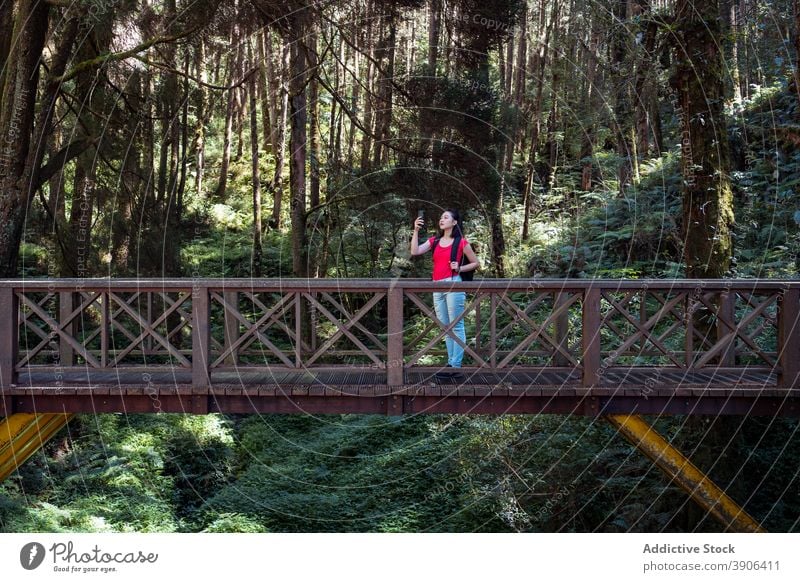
458 231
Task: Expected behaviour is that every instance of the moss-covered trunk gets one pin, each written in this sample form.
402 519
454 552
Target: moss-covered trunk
707 195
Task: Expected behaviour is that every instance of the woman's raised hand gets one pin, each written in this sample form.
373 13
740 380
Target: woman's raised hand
419 223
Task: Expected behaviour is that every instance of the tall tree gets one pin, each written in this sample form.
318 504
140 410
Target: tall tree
16 125
707 194
256 171
201 116
385 57
540 70
621 61
797 53
297 144
315 149
234 66
434 26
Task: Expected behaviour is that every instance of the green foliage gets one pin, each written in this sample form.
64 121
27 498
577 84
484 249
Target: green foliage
118 473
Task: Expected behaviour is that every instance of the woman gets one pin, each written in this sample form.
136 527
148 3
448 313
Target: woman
449 305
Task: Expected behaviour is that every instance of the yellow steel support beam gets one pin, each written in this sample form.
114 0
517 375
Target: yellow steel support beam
21 435
680 469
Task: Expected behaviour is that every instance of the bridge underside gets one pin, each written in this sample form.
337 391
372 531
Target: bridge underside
364 391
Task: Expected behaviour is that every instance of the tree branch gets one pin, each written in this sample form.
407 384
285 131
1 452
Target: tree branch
121 56
165 67
60 158
352 116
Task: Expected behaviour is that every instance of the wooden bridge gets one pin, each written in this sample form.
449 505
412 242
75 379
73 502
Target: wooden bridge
619 349
585 347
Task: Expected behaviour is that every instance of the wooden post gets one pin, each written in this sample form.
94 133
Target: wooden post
562 328
298 329
231 325
689 339
147 345
478 324
789 338
9 336
66 353
590 337
395 365
727 313
493 331
104 327
201 340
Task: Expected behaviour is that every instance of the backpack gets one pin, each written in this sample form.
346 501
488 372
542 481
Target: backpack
466 275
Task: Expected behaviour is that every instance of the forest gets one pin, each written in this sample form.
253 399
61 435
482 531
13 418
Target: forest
616 139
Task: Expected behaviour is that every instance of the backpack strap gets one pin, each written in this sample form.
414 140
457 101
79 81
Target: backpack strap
454 249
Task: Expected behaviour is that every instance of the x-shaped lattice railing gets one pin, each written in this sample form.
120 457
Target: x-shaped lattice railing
537 331
343 328
57 328
644 330
255 330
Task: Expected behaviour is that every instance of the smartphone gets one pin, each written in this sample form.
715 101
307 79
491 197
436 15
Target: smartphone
421 213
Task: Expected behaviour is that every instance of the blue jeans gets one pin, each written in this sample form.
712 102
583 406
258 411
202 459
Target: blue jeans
448 306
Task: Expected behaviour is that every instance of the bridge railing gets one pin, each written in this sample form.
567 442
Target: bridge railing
591 327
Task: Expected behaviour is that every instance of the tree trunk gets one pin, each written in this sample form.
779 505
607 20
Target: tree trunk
130 180
16 125
268 115
44 128
551 143
6 31
643 84
254 142
541 62
297 147
509 72
354 100
313 122
434 25
77 248
745 57
200 108
707 195
519 89
623 110
367 46
730 9
522 57
587 147
278 135
797 54
230 114
385 55
183 159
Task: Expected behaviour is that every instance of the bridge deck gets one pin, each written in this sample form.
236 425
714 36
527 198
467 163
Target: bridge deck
365 391
348 345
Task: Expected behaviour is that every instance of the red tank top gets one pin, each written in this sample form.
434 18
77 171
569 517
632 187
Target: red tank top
441 258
